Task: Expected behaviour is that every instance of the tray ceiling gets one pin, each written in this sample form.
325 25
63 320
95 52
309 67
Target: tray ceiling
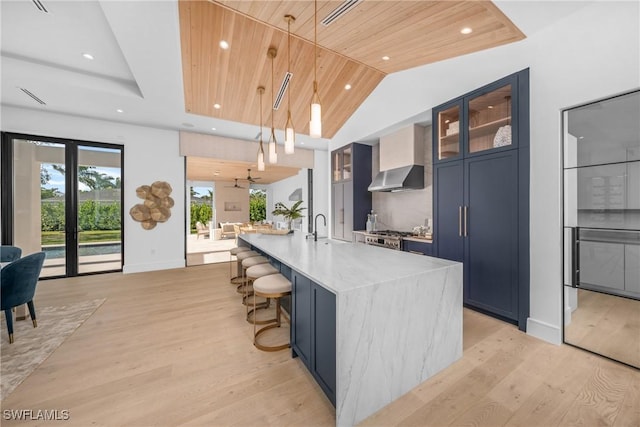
410 33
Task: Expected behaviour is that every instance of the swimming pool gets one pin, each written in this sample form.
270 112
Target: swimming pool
84 250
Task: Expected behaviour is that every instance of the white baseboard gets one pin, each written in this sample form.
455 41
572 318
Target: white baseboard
544 331
165 265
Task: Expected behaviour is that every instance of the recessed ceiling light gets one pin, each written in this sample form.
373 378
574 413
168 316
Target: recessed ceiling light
447 121
213 128
301 143
120 110
385 58
347 86
581 137
87 56
490 107
466 30
216 106
224 44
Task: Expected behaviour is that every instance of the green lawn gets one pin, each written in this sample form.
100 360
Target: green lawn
57 237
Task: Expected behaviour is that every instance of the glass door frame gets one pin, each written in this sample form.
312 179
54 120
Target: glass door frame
569 238
71 196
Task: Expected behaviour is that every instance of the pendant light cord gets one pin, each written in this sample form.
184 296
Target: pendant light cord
289 64
315 42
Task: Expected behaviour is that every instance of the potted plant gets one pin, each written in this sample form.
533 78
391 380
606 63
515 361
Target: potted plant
289 214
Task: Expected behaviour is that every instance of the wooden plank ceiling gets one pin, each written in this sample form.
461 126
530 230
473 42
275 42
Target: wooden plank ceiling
209 169
410 33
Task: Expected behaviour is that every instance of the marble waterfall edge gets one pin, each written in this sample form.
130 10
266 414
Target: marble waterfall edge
393 336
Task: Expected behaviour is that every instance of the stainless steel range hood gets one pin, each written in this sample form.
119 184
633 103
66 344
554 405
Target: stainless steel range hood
399 179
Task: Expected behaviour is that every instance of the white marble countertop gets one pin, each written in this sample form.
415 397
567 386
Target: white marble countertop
341 266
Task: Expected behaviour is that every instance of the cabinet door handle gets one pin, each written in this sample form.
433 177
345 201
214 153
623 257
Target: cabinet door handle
466 209
460 221
341 216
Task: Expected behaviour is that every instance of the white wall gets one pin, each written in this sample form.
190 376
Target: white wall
149 155
228 197
280 192
592 53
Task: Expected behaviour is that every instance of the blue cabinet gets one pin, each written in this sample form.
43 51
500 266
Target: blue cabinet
424 248
301 317
323 346
313 331
491 235
448 206
481 194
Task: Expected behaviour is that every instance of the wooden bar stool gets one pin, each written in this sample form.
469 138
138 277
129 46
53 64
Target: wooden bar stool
246 263
240 256
253 273
273 286
233 252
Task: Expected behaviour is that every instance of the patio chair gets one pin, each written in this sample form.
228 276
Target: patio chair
202 230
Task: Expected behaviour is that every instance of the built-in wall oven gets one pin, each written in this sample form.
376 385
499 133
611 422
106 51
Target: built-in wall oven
601 150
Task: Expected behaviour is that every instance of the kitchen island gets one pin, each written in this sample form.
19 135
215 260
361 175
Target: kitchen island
380 321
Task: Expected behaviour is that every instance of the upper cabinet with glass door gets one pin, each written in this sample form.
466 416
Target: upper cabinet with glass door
489 124
341 166
448 136
481 121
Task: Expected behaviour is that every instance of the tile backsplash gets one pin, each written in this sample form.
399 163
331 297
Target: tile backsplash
406 209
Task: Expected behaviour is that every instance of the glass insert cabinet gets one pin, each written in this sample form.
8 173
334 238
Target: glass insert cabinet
478 122
341 165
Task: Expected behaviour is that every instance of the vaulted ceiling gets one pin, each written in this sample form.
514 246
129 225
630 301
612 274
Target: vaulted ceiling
350 51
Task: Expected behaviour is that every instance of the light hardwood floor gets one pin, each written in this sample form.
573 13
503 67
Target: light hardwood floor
172 348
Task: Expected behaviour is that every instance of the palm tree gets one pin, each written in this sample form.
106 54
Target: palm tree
289 214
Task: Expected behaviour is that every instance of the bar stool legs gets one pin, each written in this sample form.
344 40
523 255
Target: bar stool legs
274 286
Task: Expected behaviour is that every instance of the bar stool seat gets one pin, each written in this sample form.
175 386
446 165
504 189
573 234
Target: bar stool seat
259 270
233 252
239 279
273 286
253 273
238 249
243 288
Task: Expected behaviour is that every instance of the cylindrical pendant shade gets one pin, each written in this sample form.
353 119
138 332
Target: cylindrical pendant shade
273 154
261 161
315 124
289 140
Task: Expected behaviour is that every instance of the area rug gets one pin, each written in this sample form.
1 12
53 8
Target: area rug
33 345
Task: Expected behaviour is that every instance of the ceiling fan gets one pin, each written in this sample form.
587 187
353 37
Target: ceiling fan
249 178
235 185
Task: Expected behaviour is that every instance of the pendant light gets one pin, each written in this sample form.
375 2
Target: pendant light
315 123
273 155
261 149
289 131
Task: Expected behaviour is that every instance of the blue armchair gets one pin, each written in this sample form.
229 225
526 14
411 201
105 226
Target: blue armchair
10 253
18 285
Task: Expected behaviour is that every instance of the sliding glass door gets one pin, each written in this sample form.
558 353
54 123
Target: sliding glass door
63 197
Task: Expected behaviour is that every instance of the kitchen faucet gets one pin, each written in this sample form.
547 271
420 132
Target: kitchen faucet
315 226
